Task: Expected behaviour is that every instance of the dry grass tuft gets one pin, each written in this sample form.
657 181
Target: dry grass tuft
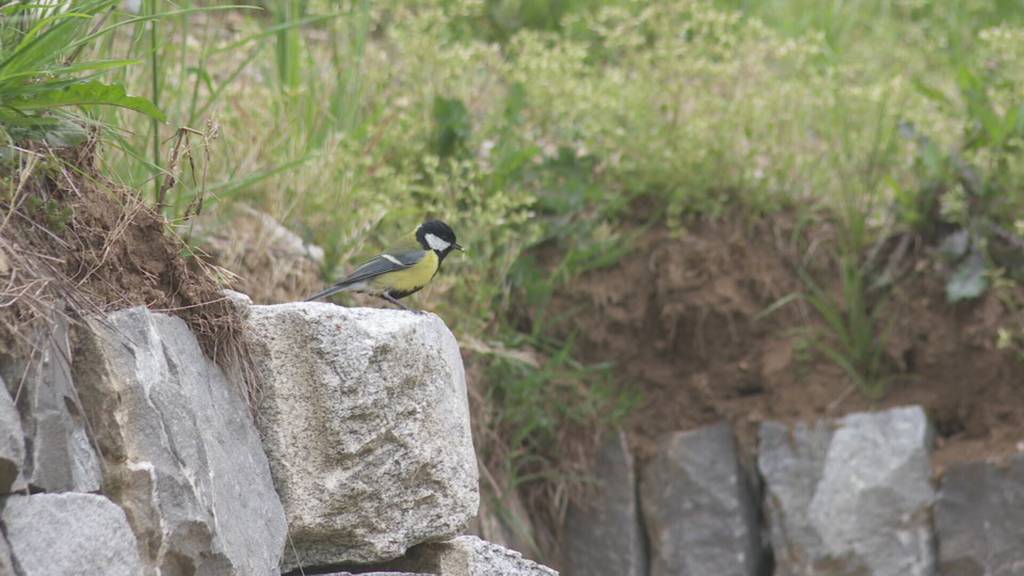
74 244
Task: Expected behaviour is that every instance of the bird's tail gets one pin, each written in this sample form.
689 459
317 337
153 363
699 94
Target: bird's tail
341 287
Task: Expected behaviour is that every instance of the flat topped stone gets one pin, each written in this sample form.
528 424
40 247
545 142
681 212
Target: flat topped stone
365 419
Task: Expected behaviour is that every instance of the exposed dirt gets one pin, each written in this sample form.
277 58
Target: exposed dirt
76 243
679 318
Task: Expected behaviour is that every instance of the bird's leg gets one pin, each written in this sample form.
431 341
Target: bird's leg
395 301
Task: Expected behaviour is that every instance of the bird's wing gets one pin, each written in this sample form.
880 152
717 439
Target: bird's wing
382 264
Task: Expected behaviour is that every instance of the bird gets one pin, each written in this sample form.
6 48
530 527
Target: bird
395 274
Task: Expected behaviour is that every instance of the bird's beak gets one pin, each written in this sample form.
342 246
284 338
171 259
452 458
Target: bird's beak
458 247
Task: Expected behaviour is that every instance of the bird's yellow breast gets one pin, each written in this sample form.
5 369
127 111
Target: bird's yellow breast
404 282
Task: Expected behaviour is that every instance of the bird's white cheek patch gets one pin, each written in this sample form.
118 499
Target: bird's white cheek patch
436 243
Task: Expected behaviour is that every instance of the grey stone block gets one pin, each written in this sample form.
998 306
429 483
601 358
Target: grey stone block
604 534
979 519
698 506
365 419
851 497
69 535
182 455
12 442
59 456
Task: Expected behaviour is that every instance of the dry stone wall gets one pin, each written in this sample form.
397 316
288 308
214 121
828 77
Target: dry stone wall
125 451
853 496
128 452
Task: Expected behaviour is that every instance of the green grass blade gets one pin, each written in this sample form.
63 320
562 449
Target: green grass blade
232 186
215 94
94 66
106 30
37 52
272 30
88 93
778 305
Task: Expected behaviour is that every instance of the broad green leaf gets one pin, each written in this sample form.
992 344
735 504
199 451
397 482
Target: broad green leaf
88 93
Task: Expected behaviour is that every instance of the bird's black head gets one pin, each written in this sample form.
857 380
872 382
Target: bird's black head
437 236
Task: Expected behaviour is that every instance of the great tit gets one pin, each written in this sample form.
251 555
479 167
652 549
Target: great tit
399 273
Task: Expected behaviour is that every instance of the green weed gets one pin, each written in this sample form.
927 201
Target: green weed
851 330
53 214
42 77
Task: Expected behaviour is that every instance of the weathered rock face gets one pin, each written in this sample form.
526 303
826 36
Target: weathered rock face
51 534
979 519
182 456
700 513
58 456
792 461
469 556
853 499
12 442
604 536
365 419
